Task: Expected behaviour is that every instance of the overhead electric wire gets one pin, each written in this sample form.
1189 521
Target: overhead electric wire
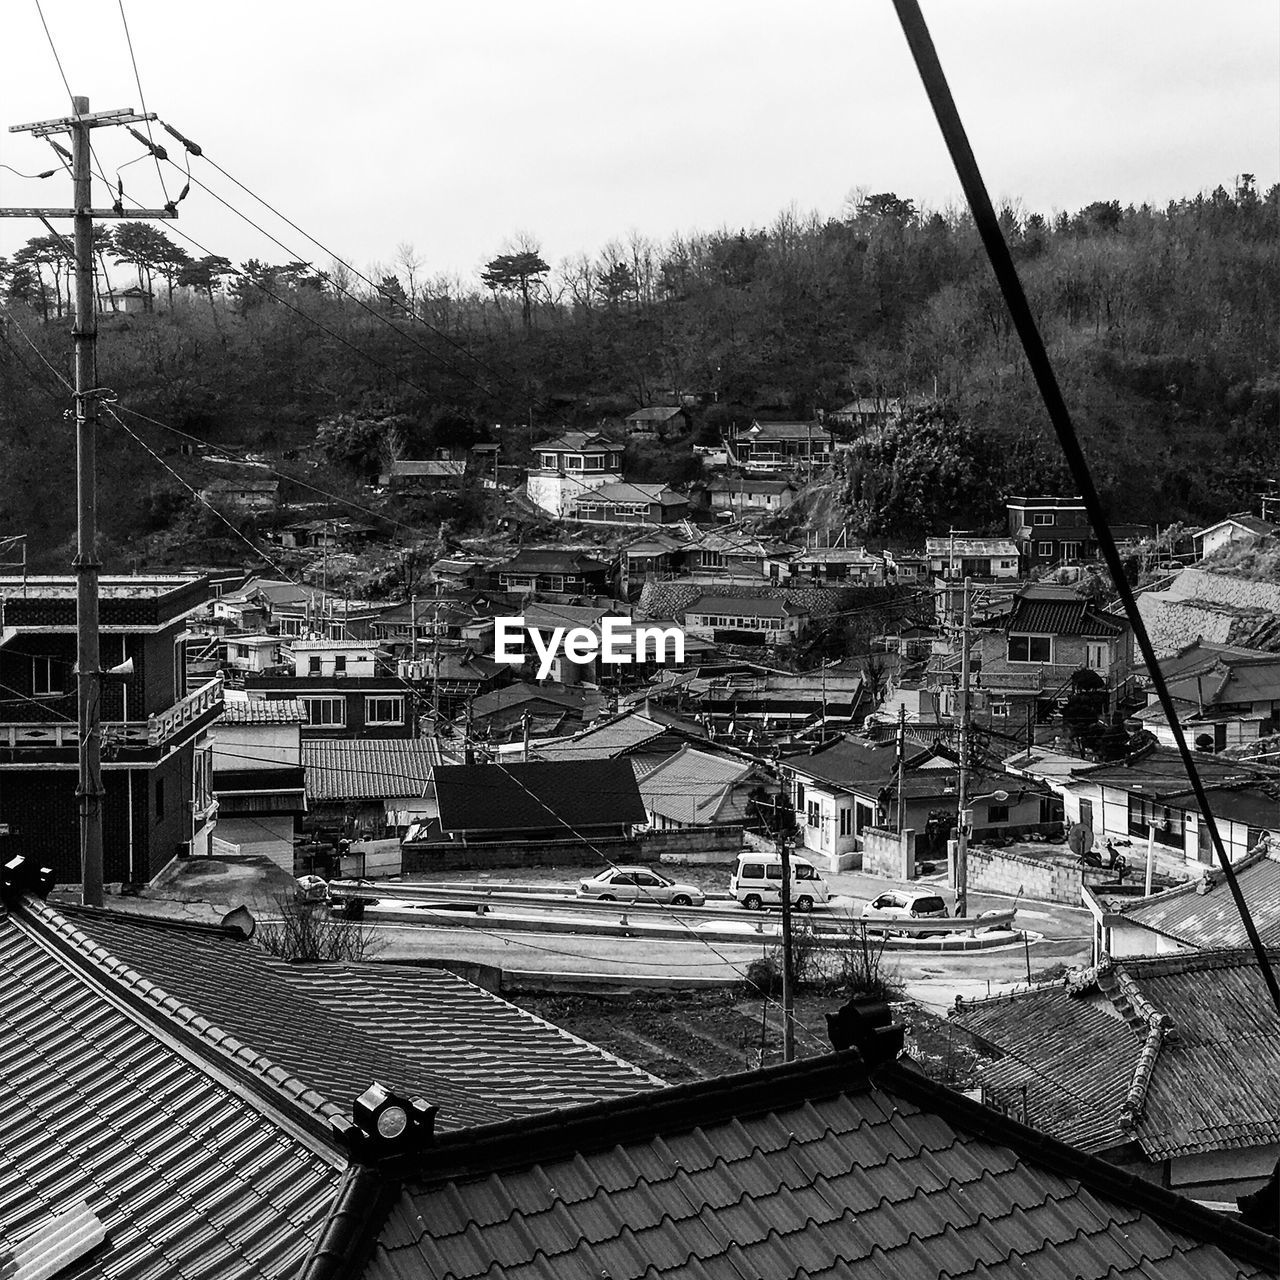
935 82
54 50
142 101
412 311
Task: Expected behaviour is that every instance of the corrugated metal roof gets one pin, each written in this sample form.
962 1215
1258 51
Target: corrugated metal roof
819 1175
188 1175
693 787
368 768
619 737
1203 914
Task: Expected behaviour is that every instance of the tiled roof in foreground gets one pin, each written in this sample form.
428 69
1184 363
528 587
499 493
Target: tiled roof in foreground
800 1171
338 1027
190 1175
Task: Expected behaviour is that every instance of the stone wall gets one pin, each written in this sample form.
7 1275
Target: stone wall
671 597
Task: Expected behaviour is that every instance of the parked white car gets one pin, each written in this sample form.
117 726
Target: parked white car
903 904
639 884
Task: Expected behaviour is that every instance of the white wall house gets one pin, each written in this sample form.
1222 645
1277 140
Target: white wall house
571 465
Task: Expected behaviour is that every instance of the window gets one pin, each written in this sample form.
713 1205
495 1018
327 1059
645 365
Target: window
1000 709
1008 564
846 822
46 676
555 582
752 871
326 713
313 665
573 462
799 795
1030 648
997 813
159 798
1096 656
340 665
549 461
805 871
384 710
290 626
1147 817
815 813
593 462
1071 551
1045 549
1042 517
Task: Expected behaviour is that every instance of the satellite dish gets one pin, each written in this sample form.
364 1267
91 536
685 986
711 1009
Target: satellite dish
1080 839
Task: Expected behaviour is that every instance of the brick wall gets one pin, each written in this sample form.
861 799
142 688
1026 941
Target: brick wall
693 844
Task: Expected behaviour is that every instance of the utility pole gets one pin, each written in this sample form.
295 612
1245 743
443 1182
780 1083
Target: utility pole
89 790
902 762
788 981
962 835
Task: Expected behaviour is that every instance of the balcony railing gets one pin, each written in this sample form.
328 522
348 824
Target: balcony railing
155 731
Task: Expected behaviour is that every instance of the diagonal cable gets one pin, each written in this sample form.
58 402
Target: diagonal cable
984 216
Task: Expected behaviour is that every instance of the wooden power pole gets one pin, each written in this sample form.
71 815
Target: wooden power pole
89 790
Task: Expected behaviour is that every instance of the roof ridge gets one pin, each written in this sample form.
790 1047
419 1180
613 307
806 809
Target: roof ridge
310 1109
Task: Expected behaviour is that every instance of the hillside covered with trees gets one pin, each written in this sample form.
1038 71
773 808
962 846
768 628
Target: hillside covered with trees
1162 324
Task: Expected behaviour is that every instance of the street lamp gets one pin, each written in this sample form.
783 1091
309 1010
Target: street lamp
963 831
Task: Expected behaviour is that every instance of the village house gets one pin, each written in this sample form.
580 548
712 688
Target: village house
623 502
657 554
748 620
741 495
370 789
836 567
1026 667
543 618
1167 1066
698 788
571 465
315 535
245 495
427 475
554 570
258 779
1199 915
732 555
780 446
1225 696
570 802
645 733
1242 527
251 653
1050 531
535 711
866 413
158 803
904 568
350 688
840 789
658 420
757 706
1148 795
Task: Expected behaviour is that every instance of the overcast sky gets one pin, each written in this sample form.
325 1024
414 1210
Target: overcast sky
453 127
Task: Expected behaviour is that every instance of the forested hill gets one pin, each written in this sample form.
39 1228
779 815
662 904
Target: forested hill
1162 324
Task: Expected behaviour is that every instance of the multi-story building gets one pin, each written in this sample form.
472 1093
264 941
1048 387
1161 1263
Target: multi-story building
1050 531
571 465
158 802
781 446
349 688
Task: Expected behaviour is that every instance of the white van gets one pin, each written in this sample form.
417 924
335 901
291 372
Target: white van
757 882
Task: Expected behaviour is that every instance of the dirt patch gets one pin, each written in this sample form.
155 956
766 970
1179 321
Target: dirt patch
687 1036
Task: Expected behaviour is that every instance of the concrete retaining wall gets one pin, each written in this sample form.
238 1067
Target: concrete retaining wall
1013 875
543 853
888 853
693 844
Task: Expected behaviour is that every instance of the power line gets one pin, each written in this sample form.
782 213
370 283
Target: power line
142 101
54 50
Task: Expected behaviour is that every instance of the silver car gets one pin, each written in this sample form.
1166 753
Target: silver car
639 884
904 905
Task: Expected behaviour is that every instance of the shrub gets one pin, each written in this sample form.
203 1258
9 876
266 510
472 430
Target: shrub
306 931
